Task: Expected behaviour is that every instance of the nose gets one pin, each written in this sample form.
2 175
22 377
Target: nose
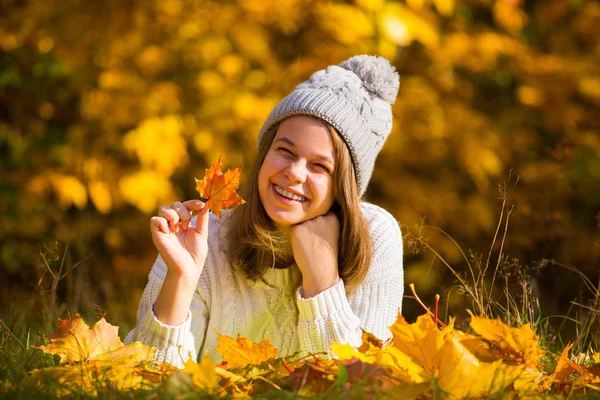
296 171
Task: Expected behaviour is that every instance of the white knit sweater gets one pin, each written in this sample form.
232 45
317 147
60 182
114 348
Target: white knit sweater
228 303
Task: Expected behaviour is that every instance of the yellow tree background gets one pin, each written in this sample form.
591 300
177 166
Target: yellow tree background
108 109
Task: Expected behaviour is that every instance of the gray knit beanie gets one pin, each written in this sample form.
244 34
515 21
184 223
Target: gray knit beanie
355 98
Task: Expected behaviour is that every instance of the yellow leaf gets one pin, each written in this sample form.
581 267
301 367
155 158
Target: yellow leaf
100 195
75 341
210 82
346 23
98 358
131 354
460 374
122 369
530 96
416 4
159 144
203 140
241 352
231 65
508 15
589 86
373 351
69 189
64 380
370 5
445 7
152 59
402 26
203 374
252 39
420 341
146 190
399 364
519 345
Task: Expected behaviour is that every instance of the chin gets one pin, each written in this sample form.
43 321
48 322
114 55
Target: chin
284 221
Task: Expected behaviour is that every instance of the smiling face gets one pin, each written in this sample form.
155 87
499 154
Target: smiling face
295 181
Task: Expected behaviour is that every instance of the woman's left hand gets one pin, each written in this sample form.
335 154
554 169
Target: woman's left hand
315 246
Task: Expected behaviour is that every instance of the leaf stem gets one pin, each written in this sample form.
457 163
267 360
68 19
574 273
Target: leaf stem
412 288
437 304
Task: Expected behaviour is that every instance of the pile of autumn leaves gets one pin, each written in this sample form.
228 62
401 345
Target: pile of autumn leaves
420 361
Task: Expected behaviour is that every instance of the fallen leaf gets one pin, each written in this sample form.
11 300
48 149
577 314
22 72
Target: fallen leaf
420 341
458 373
220 189
95 358
518 345
314 376
75 341
461 375
204 373
370 339
122 369
391 358
241 352
422 361
563 367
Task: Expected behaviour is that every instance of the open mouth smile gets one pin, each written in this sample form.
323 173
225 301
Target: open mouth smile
289 195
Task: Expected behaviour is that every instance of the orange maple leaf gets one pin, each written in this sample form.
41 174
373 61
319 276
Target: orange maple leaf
75 341
241 352
108 363
220 189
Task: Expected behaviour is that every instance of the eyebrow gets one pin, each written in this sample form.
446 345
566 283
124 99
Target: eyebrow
291 143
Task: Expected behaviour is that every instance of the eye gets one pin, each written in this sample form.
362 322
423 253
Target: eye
323 168
284 150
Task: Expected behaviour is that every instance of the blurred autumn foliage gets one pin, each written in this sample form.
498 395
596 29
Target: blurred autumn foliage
108 109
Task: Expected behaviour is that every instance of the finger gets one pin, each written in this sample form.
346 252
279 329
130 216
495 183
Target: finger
192 205
184 214
159 224
171 216
202 222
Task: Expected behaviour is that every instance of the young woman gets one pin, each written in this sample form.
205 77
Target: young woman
305 261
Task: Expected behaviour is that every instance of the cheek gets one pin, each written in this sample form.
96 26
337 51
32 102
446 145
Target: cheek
263 181
271 166
325 187
267 170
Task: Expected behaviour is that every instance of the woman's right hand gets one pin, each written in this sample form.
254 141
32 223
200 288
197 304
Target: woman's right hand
183 250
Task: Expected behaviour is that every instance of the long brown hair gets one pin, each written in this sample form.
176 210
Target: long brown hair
254 244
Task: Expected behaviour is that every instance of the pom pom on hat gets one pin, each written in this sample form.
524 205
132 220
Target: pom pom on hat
378 76
355 98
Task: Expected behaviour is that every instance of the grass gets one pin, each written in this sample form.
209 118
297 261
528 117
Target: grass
499 286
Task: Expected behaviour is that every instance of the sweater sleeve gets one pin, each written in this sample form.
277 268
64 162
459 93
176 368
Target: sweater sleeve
175 343
327 318
331 316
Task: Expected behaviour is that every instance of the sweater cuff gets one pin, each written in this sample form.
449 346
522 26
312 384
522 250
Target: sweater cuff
162 335
329 302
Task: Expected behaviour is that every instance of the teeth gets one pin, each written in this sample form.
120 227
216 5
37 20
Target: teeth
289 195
